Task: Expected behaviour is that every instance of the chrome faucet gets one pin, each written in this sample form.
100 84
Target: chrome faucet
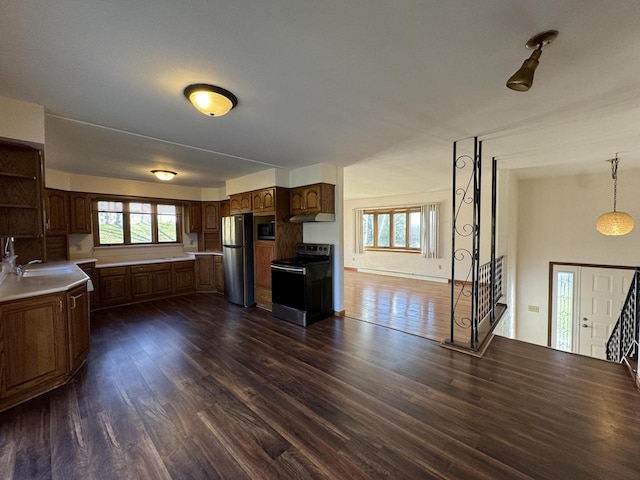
21 268
8 247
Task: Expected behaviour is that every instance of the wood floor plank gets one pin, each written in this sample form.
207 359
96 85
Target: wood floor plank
68 445
414 306
194 387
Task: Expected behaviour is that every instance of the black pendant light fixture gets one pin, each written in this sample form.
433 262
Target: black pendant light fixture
522 80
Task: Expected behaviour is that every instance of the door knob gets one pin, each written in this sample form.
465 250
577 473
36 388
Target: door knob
584 325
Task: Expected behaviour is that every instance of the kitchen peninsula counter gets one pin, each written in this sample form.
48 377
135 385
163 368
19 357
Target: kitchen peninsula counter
64 276
44 330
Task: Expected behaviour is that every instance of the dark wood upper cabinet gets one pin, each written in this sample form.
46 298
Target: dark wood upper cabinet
316 198
193 211
56 212
80 213
264 201
20 191
211 217
225 208
240 203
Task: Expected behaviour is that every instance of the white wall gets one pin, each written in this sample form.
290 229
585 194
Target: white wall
397 262
272 177
114 186
81 246
556 223
22 122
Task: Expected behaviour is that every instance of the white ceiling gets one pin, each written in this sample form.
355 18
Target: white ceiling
380 87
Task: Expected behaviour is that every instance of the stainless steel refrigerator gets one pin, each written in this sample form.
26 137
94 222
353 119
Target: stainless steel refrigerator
237 248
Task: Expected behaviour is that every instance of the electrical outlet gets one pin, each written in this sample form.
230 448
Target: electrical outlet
78 247
191 242
439 267
534 308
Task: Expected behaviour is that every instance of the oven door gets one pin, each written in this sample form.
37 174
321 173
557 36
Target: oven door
287 285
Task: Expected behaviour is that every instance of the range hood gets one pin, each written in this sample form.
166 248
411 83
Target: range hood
313 217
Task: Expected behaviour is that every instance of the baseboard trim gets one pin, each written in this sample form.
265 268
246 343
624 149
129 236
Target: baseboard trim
351 269
411 276
340 313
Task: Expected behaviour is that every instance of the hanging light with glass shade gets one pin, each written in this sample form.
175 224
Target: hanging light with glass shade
614 223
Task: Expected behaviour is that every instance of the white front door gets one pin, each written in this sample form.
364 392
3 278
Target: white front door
602 295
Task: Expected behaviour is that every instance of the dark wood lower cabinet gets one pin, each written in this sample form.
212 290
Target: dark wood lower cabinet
114 286
90 269
78 326
151 281
34 358
218 274
148 281
184 279
43 341
209 273
204 273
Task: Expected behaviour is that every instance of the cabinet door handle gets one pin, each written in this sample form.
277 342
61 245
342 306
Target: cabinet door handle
73 300
60 305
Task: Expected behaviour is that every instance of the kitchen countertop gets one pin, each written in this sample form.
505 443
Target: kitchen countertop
144 262
15 287
82 261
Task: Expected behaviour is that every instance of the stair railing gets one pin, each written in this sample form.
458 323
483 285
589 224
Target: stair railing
623 342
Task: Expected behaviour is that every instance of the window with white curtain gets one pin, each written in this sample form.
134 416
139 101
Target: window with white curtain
398 229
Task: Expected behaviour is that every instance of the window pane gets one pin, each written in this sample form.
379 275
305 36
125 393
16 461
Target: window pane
367 230
110 223
414 230
167 223
564 315
140 220
400 229
383 229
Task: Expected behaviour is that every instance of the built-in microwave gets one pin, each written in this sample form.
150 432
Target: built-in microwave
267 231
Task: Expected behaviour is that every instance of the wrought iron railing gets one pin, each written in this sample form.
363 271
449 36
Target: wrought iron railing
489 292
623 342
475 288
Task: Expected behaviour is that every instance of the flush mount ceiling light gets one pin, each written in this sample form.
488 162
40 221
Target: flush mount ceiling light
522 80
614 223
210 100
164 175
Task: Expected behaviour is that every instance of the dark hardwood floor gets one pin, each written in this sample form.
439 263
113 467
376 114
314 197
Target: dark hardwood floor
193 387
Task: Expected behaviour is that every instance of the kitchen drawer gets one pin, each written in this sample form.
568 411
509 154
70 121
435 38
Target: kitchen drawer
109 271
151 267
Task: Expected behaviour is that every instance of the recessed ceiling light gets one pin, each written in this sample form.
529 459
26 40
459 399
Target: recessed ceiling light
210 100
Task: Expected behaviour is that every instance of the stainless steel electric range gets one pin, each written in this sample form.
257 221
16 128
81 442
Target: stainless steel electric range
302 287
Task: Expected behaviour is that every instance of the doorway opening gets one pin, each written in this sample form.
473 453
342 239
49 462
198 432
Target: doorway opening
586 301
